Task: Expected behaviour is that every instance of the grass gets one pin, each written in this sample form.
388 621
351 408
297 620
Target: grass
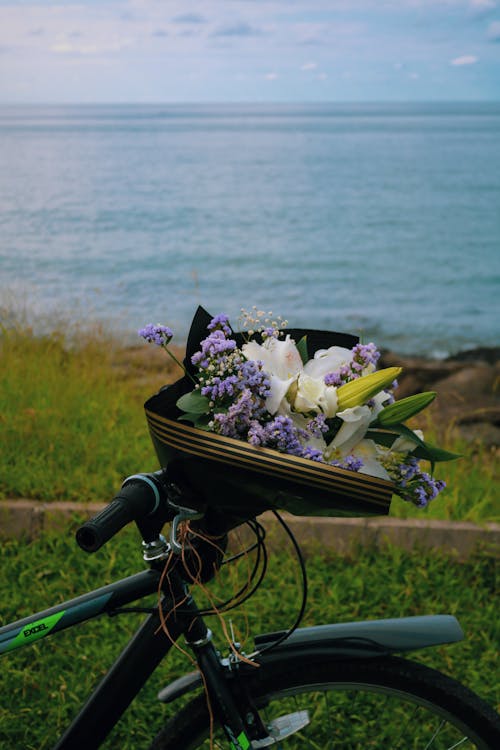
72 424
42 686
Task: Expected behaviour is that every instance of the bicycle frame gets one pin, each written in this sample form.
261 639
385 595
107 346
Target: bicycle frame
130 670
150 645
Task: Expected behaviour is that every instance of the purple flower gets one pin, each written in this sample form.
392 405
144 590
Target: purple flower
314 454
333 378
219 388
215 344
363 355
413 485
220 322
317 427
351 463
236 421
253 377
280 434
159 335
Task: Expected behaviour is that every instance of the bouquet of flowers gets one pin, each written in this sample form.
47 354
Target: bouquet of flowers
334 408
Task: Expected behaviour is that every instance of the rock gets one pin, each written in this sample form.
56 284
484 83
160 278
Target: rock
490 355
471 380
468 392
487 435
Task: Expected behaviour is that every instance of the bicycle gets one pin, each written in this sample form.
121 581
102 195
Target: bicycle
325 686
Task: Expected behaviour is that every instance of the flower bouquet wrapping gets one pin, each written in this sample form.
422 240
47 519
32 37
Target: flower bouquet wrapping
291 419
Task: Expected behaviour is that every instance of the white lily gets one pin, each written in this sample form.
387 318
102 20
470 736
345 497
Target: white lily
328 401
356 420
282 362
367 451
327 360
313 395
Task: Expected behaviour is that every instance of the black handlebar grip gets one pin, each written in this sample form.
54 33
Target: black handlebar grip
137 497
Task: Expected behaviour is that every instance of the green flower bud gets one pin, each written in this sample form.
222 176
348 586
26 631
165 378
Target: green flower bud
399 411
358 392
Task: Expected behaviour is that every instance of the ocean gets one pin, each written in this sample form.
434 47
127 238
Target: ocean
376 219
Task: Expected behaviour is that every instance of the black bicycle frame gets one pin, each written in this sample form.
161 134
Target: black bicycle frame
131 669
140 657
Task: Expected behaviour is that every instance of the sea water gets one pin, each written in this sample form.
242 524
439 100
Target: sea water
380 220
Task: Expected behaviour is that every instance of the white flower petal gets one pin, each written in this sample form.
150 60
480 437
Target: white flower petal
367 451
327 360
278 389
404 444
356 421
372 467
378 402
329 401
309 392
279 357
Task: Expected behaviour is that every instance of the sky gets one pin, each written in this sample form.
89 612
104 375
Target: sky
248 50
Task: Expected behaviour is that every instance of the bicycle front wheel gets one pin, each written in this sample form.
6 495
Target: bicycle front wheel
379 703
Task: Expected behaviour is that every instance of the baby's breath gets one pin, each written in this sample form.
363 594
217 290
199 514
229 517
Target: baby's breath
259 321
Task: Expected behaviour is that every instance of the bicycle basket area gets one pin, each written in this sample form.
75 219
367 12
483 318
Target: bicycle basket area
243 480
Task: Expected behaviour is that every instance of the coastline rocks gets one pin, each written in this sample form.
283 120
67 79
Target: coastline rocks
468 388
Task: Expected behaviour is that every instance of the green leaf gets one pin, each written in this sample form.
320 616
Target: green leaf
435 454
194 403
200 421
423 450
382 437
302 349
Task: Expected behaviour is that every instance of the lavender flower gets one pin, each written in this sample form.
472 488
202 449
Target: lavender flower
351 463
220 322
215 344
412 485
236 421
159 335
314 454
363 356
317 427
280 434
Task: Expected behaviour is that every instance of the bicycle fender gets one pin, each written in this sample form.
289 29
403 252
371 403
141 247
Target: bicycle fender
368 638
361 640
182 685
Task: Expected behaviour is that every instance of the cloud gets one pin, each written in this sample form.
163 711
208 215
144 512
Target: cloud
464 60
482 5
189 18
65 47
271 76
494 31
241 29
309 66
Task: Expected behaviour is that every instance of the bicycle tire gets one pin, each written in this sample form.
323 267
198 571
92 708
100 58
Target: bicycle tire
353 704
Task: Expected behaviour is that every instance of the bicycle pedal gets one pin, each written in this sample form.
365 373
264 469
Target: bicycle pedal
283 727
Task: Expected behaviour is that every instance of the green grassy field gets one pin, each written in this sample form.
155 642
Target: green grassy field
42 686
72 425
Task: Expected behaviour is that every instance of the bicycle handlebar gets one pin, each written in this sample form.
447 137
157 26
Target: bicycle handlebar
139 496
